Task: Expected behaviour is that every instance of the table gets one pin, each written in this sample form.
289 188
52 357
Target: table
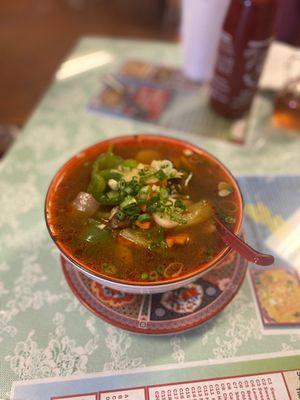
44 331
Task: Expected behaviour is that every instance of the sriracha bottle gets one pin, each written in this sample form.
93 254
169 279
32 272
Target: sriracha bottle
246 36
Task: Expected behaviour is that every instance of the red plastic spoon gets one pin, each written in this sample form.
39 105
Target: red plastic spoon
241 247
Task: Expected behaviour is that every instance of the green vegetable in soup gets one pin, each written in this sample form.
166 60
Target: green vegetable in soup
102 172
96 186
130 163
129 190
111 198
160 174
145 276
152 217
106 161
152 186
227 217
144 218
107 174
95 233
156 236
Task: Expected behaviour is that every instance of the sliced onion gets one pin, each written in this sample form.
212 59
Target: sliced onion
153 276
86 203
174 269
198 213
135 237
164 222
228 206
109 269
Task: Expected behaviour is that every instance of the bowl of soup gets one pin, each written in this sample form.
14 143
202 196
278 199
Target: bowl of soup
137 213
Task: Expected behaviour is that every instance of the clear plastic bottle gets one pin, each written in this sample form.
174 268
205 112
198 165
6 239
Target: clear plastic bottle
245 39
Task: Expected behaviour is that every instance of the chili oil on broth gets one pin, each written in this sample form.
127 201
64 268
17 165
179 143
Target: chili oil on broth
130 260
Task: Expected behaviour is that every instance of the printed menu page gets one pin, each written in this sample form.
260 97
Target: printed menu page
276 385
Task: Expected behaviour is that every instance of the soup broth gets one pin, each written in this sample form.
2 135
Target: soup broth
142 212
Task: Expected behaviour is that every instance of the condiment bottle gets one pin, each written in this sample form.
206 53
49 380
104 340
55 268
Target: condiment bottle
245 39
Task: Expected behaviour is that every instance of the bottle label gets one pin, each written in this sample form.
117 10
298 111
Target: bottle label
237 74
254 56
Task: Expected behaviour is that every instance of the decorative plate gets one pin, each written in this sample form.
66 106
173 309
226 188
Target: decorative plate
165 313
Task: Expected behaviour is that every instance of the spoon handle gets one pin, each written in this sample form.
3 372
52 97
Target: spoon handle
241 247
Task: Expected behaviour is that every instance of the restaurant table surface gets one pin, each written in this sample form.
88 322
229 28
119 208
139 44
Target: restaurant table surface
44 330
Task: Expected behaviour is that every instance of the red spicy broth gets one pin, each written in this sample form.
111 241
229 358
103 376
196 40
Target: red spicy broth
116 257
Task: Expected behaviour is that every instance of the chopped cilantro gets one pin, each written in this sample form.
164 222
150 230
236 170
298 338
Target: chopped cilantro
160 175
156 236
144 217
134 197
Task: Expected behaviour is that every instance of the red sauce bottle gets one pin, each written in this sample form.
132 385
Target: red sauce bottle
245 39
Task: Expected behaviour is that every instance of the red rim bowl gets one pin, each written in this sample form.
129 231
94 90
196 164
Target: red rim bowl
122 284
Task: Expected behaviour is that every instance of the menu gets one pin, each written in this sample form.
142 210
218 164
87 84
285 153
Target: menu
277 385
160 94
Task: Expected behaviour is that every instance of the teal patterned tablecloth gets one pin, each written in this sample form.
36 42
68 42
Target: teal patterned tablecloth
44 331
